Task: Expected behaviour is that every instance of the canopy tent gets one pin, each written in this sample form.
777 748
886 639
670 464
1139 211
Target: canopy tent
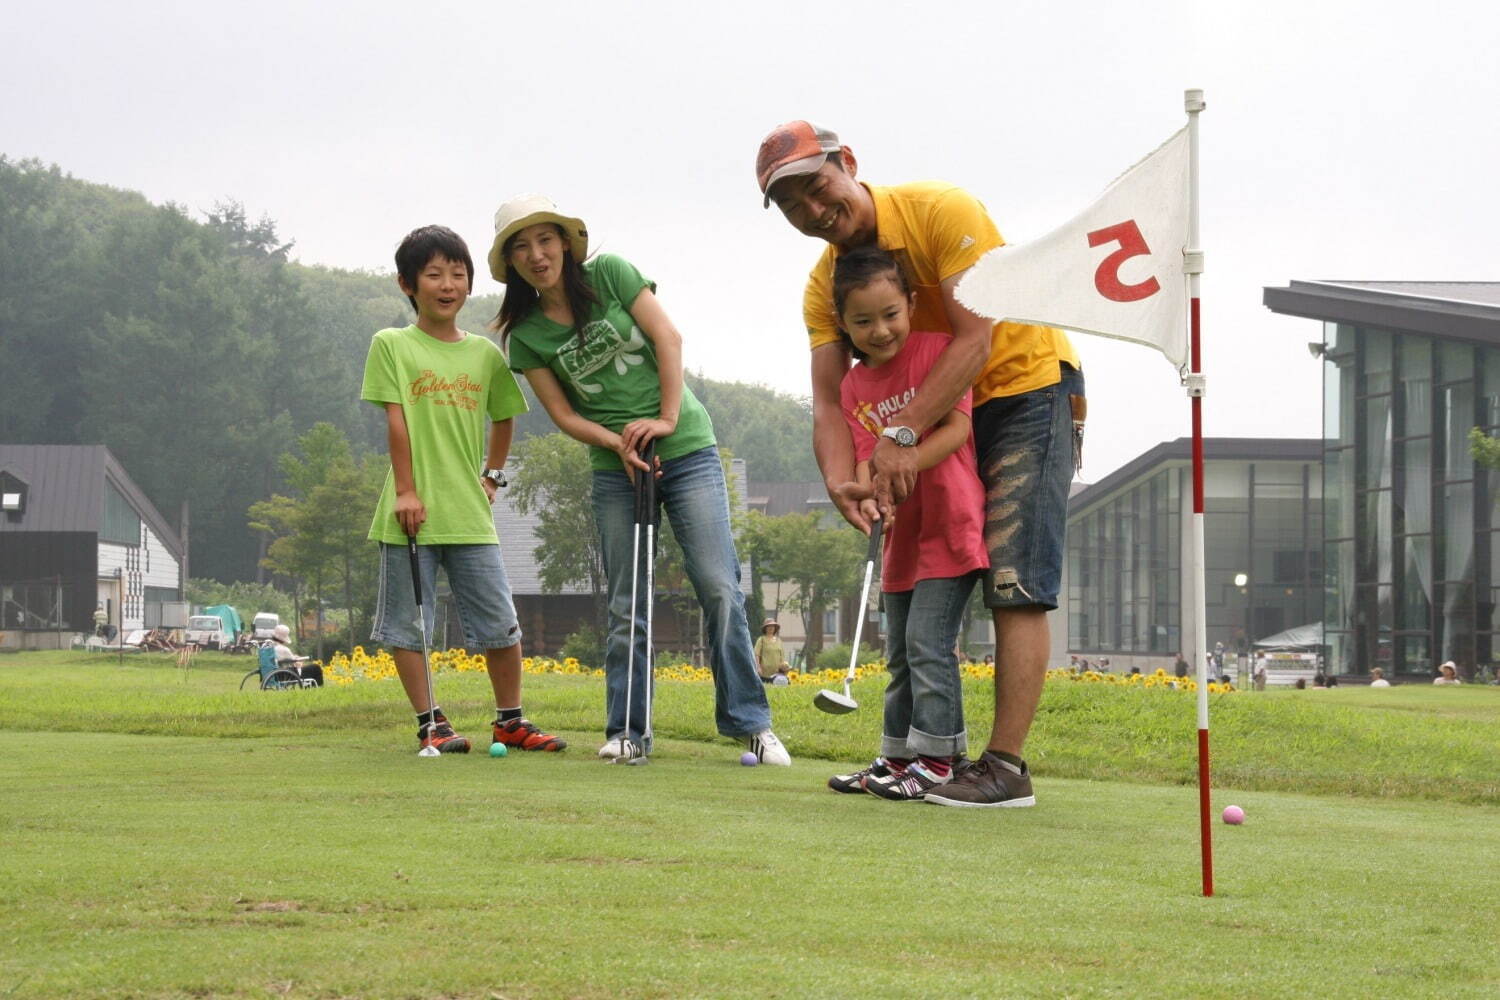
233 624
1301 637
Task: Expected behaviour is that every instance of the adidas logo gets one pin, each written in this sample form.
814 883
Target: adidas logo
966 242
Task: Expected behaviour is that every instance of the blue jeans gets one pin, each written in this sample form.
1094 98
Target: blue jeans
481 593
1028 448
924 702
693 493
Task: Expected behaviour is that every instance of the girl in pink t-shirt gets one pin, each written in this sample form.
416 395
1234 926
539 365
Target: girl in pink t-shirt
934 545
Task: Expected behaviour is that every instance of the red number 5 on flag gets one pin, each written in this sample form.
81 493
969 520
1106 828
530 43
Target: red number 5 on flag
1107 277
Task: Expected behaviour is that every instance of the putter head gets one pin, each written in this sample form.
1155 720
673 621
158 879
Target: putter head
834 703
429 751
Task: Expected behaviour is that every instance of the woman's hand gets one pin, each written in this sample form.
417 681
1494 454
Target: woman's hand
638 433
631 458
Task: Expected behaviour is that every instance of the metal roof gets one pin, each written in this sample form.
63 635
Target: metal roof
776 499
1215 449
66 490
1457 310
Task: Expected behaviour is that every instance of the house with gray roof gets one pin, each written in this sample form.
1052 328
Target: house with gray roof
76 533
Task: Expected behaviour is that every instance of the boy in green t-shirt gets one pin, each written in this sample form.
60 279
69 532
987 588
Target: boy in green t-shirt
438 386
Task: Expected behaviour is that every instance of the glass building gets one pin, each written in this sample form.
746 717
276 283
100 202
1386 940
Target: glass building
1262 549
1411 562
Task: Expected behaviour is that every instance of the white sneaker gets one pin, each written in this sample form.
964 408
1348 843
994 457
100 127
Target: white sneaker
768 748
614 748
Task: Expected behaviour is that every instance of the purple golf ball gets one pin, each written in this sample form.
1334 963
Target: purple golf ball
749 759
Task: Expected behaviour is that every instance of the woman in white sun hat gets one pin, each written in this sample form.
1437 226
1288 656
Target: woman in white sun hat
605 361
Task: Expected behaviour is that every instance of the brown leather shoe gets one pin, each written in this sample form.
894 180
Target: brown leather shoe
987 783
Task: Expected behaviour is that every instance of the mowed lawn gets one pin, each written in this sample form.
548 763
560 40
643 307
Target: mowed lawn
165 835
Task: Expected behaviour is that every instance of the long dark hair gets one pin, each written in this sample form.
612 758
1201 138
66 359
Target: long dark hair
520 298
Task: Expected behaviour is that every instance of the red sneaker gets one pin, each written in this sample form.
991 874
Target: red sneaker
518 734
443 738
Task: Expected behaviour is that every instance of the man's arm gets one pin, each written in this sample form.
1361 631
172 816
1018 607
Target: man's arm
951 375
832 445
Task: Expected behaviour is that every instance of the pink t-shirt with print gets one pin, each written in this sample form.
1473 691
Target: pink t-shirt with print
938 531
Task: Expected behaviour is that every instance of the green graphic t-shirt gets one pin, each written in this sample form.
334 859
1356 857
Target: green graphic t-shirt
609 374
448 393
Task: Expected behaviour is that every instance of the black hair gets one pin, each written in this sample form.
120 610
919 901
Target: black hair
419 248
520 298
859 268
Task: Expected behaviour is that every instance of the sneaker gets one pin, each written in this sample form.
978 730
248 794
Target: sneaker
612 748
988 782
443 737
518 734
768 748
854 782
911 785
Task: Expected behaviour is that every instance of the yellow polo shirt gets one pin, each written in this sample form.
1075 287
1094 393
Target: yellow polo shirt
936 231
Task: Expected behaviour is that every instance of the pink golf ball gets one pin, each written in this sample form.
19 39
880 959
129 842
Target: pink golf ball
749 759
1234 815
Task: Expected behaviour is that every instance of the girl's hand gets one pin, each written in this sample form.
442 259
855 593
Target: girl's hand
410 512
856 501
638 432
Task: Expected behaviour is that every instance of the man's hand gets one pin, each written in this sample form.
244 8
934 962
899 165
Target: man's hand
895 474
410 512
855 501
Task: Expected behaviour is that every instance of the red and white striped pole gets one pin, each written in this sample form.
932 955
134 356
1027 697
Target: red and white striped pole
1193 265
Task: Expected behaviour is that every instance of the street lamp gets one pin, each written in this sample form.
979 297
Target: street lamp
1241 580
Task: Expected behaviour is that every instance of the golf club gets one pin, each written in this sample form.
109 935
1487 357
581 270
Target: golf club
831 701
645 507
428 750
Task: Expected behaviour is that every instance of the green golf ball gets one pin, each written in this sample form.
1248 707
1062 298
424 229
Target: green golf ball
497 749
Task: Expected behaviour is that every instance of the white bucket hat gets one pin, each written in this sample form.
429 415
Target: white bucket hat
527 210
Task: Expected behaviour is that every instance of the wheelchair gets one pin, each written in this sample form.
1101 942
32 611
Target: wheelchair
273 675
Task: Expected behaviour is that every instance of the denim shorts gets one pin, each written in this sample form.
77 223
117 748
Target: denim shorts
1028 449
481 593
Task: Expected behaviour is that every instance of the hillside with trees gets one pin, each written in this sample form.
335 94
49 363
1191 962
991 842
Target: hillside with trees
200 352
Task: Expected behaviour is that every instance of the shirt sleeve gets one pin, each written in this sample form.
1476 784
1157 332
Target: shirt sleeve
620 278
817 303
864 438
380 384
959 232
522 356
505 399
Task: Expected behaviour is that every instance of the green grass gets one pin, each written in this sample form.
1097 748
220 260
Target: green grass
167 836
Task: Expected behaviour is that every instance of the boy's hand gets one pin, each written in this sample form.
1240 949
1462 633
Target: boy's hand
410 512
490 488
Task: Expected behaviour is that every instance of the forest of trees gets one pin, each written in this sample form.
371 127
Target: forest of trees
200 353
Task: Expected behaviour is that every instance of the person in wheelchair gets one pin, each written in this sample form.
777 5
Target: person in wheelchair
310 675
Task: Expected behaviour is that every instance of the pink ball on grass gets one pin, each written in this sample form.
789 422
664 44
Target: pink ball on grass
1234 815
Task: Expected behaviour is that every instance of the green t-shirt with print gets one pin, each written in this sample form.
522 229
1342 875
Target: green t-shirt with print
609 374
448 393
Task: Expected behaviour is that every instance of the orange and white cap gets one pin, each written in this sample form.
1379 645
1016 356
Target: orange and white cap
798 147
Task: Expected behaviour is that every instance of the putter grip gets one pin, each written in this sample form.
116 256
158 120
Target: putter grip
876 527
416 571
646 486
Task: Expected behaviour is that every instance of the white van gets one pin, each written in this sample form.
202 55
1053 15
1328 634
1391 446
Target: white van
263 624
206 631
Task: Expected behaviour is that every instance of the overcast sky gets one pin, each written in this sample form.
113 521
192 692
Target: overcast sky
1341 140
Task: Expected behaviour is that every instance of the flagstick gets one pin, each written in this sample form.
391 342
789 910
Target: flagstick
1193 265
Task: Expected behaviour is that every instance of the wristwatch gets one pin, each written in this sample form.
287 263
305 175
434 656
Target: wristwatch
903 436
496 476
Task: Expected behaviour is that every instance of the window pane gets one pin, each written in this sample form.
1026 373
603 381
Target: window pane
1377 360
1416 586
1458 531
1376 446
1414 501
1458 418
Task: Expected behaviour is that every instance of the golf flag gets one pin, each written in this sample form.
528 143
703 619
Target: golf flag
1115 270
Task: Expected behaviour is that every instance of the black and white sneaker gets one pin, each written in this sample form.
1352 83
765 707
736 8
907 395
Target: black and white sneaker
768 748
911 785
853 783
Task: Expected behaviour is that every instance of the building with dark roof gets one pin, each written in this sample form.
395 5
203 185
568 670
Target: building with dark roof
76 533
1124 581
1411 556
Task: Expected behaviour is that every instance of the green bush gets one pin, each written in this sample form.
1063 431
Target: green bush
586 646
837 657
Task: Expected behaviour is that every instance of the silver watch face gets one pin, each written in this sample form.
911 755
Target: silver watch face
903 436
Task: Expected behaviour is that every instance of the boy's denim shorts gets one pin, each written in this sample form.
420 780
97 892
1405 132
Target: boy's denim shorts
481 594
1028 446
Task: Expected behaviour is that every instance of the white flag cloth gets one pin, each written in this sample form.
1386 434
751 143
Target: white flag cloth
1115 270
